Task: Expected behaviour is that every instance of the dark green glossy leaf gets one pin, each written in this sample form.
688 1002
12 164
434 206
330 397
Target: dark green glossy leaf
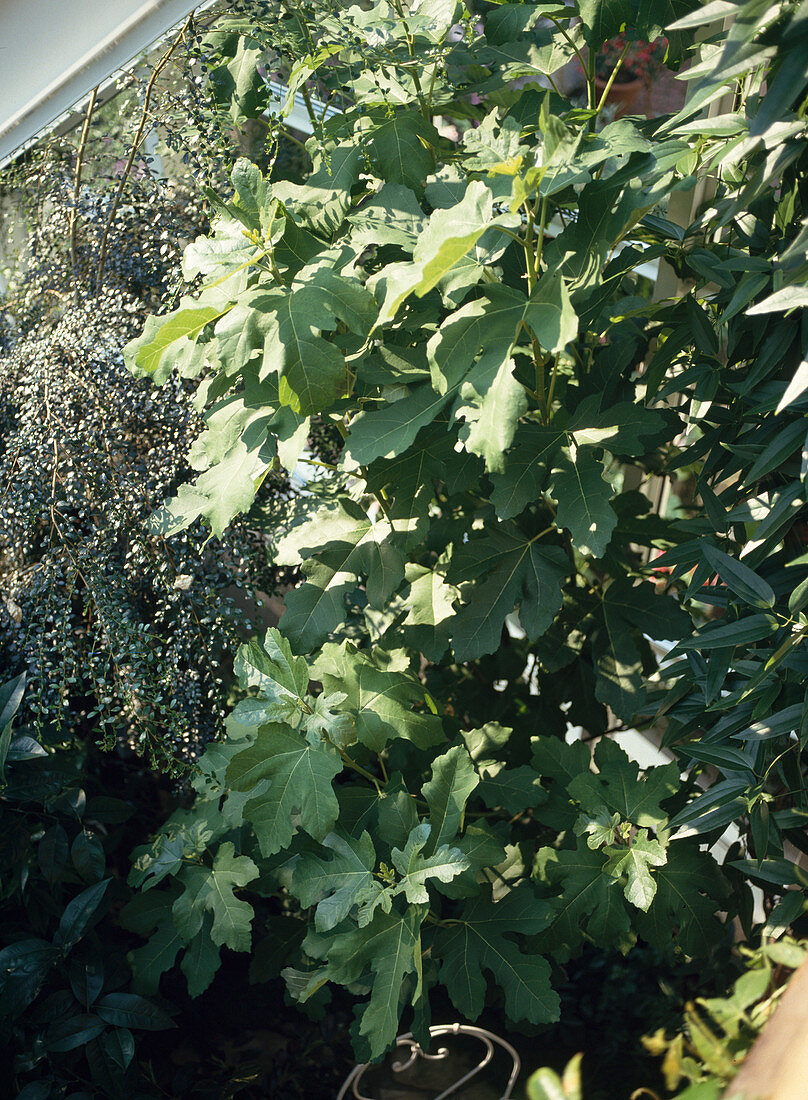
753 628
740 578
776 725
86 978
52 854
79 915
87 854
721 756
119 1045
773 872
76 1031
128 1010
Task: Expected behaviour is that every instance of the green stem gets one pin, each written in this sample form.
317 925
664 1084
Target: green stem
542 228
315 122
295 141
785 647
247 263
551 390
317 462
351 763
611 79
530 253
554 86
538 362
570 42
590 85
410 50
508 233
430 93
384 769
273 267
380 497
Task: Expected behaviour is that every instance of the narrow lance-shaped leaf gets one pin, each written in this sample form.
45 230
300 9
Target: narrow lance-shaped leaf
751 628
743 581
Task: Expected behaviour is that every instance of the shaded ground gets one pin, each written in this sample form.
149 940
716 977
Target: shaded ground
243 1040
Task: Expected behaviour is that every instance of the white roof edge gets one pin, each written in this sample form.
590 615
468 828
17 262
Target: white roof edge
97 58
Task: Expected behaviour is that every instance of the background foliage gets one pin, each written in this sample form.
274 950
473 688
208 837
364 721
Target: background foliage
447 322
120 636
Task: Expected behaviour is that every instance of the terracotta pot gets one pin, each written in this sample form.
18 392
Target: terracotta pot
621 96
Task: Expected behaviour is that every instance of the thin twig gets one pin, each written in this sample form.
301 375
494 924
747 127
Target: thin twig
74 213
158 68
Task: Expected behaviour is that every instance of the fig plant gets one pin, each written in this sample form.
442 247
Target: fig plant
408 774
